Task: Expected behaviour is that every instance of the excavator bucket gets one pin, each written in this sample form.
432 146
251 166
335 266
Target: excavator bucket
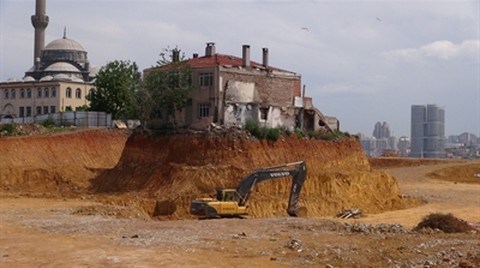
298 212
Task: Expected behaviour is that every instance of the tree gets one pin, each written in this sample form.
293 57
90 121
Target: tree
115 87
169 84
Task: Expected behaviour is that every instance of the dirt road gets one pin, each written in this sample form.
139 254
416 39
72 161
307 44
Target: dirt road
48 233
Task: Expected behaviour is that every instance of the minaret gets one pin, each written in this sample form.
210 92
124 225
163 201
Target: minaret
39 22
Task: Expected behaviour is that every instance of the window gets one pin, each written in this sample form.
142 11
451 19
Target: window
52 109
205 79
45 109
13 93
54 92
22 93
39 110
29 111
68 93
39 92
46 93
21 111
78 93
263 113
7 94
203 109
29 95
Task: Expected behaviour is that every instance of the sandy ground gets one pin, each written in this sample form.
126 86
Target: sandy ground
46 233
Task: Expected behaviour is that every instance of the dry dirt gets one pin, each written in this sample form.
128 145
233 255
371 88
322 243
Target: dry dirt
67 209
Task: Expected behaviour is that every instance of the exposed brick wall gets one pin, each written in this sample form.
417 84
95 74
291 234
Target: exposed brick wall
272 90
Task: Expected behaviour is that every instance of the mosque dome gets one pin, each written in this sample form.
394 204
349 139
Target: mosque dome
64 44
28 79
64 49
60 67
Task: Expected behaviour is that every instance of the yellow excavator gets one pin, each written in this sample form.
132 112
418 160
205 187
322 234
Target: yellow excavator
232 202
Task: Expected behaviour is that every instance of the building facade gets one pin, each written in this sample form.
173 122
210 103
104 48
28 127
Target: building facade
60 79
230 90
427 131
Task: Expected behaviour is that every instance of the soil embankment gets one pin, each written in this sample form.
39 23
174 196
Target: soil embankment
59 164
160 176
176 169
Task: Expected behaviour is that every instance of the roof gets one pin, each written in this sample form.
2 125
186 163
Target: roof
64 44
224 61
62 67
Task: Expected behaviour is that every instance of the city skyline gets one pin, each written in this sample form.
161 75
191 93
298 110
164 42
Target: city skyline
362 62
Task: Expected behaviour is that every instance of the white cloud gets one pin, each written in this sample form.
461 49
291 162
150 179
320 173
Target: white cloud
442 49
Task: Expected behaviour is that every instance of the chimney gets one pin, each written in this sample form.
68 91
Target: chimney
195 55
265 57
39 22
246 55
210 49
175 55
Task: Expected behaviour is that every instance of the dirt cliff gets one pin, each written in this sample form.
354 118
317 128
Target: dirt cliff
176 169
160 176
57 164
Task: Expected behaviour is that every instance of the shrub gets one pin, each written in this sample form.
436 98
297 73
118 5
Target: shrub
252 127
49 122
273 134
299 133
445 222
7 129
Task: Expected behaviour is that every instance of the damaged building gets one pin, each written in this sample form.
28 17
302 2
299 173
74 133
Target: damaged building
230 91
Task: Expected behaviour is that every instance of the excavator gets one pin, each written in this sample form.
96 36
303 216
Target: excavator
232 202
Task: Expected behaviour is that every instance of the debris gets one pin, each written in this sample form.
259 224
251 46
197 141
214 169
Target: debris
350 213
295 245
444 222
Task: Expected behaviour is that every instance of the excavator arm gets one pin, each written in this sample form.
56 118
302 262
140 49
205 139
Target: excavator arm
232 202
298 170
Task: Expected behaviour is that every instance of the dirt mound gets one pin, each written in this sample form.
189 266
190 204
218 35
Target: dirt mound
464 174
176 169
445 222
57 164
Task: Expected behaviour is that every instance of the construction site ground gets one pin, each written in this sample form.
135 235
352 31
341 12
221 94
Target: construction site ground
88 230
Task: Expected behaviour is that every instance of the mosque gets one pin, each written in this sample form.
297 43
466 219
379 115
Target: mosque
59 80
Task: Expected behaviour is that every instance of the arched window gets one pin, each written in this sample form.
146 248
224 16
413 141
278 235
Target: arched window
68 92
7 94
78 93
39 92
29 94
46 93
13 93
54 92
22 93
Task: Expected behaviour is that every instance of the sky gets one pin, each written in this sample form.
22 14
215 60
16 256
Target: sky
360 61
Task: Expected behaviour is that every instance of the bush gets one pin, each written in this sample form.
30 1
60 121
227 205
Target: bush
299 133
445 222
49 122
7 129
273 134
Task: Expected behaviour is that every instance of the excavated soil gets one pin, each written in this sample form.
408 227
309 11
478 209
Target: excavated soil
103 187
464 174
159 176
176 169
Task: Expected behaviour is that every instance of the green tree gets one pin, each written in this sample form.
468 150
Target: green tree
168 85
115 90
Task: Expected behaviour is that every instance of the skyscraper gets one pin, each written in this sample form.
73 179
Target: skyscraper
427 131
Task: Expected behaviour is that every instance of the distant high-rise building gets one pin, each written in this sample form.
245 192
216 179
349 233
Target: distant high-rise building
381 131
427 131
404 146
